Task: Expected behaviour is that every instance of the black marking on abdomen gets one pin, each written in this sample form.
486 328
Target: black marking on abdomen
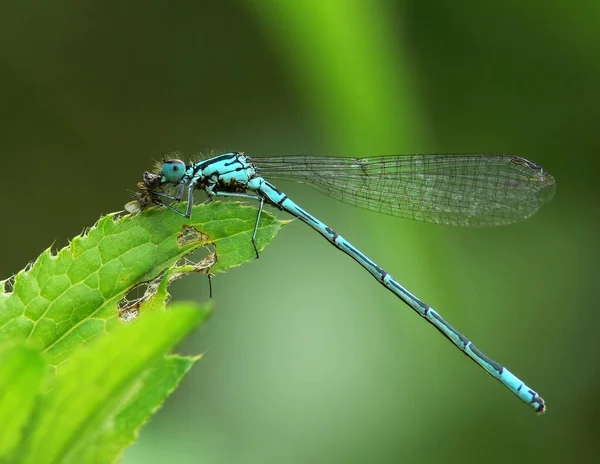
397 286
425 308
332 233
377 269
497 367
280 202
304 215
537 399
465 341
296 210
272 187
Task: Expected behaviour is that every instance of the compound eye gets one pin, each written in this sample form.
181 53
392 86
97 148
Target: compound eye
173 170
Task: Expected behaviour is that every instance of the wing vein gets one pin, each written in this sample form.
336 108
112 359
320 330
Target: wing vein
456 190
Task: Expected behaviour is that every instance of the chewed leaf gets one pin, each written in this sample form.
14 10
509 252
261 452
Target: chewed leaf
66 299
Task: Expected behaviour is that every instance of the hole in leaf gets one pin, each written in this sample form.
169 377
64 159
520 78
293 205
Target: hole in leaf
129 314
129 306
190 235
8 285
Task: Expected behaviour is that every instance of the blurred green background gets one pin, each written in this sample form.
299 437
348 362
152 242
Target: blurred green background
307 358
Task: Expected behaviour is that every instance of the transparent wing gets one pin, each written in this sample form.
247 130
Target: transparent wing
456 190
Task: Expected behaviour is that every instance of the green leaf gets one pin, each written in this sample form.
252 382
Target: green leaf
22 370
93 406
63 301
122 428
109 386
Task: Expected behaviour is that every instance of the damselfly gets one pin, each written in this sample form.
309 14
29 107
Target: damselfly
456 190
